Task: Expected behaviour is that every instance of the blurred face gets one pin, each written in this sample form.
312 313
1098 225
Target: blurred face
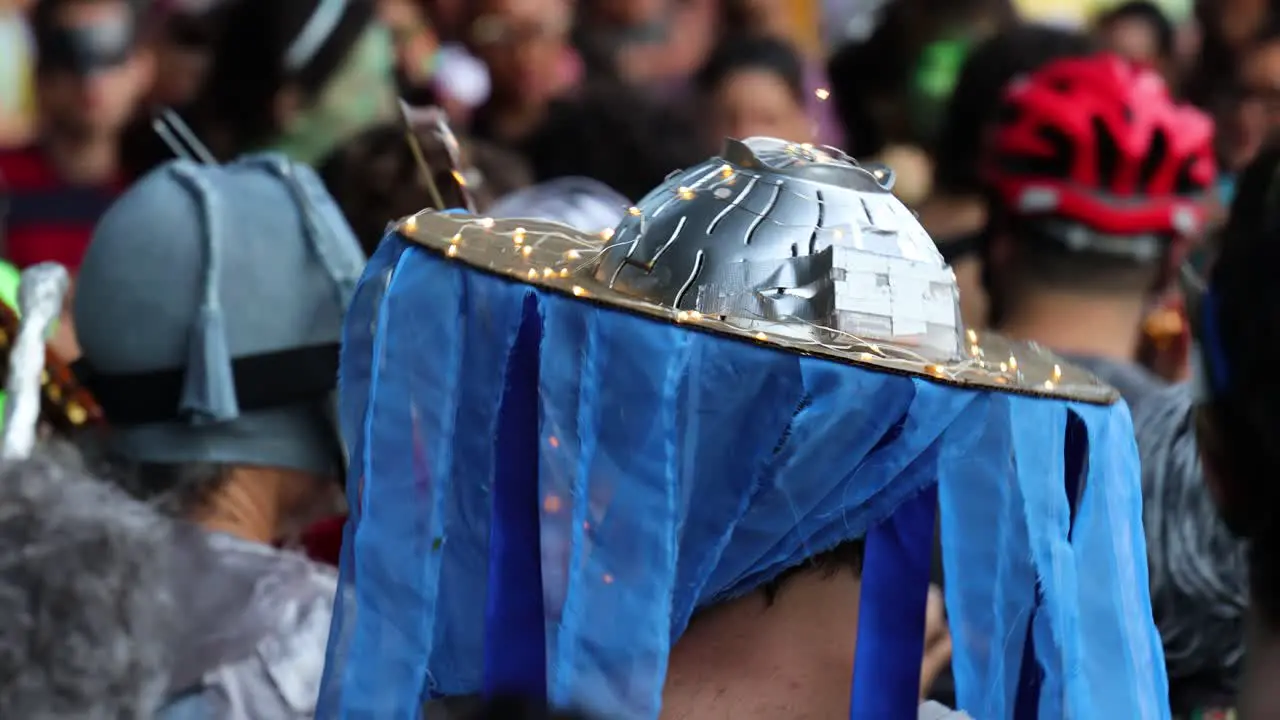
1133 39
757 102
1256 108
628 13
92 73
524 43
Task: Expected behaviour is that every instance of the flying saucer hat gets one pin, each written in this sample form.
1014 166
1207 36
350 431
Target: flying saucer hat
566 443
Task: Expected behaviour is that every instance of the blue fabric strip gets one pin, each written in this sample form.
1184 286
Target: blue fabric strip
515 659
895 588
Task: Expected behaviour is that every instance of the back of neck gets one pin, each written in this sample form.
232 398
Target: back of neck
1105 326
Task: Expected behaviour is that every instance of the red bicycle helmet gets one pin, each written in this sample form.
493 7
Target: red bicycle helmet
1098 141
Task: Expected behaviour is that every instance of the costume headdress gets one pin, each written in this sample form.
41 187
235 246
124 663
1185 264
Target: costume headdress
563 444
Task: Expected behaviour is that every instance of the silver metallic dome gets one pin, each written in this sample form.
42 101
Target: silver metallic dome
797 238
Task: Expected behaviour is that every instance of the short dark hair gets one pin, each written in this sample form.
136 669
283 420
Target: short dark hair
753 52
1041 259
989 68
86 596
616 135
238 97
1246 415
846 556
1151 15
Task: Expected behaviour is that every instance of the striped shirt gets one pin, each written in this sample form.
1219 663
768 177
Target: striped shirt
43 218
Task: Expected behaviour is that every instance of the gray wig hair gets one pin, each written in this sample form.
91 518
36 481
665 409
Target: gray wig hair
85 598
1199 569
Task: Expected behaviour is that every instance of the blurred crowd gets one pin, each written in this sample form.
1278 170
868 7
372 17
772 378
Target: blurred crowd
361 112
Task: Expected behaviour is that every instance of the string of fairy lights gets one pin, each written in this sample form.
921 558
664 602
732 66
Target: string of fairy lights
564 258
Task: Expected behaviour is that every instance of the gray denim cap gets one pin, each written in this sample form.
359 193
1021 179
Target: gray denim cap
197 265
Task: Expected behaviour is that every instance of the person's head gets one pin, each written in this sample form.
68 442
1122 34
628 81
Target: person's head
185 34
208 309
86 595
956 214
297 76
524 43
375 178
92 70
1139 31
1098 182
1236 323
614 135
1254 112
755 86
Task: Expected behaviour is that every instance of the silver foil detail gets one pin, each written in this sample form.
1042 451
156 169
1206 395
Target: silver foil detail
775 232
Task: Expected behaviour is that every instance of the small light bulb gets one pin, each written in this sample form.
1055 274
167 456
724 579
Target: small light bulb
606 234
633 211
579 291
761 336
526 251
457 177
685 193
486 222
973 336
457 238
533 274
726 171
517 235
822 93
548 272
573 254
1013 363
1057 373
411 224
453 250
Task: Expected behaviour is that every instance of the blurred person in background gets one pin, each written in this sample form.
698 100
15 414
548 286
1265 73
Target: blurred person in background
754 86
1088 229
1252 110
209 308
1140 31
299 77
92 72
1228 29
17 73
616 136
889 88
956 213
525 44
375 178
183 40
650 43
1235 413
87 596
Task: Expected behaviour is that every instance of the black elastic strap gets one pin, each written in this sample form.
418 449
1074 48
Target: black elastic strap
270 380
